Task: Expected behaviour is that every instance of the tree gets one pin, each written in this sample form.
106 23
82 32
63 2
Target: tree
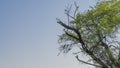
95 33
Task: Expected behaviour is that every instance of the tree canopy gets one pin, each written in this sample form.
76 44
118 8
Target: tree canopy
95 33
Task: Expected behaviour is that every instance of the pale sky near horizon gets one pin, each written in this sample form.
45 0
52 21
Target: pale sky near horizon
29 33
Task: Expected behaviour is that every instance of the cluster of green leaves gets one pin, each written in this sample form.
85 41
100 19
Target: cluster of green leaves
102 20
105 17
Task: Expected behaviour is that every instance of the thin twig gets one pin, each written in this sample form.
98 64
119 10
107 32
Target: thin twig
75 9
70 16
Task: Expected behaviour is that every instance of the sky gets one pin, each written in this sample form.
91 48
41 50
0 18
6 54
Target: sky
29 33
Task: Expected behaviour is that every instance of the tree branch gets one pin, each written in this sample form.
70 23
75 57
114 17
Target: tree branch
86 62
73 29
71 35
65 26
108 51
90 53
67 12
75 9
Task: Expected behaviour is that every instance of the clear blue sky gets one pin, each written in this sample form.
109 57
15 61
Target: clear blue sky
29 33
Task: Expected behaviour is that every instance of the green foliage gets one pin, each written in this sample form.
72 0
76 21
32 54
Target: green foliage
96 26
103 19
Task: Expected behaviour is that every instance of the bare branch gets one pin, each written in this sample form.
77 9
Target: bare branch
70 16
75 9
86 62
67 12
65 26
